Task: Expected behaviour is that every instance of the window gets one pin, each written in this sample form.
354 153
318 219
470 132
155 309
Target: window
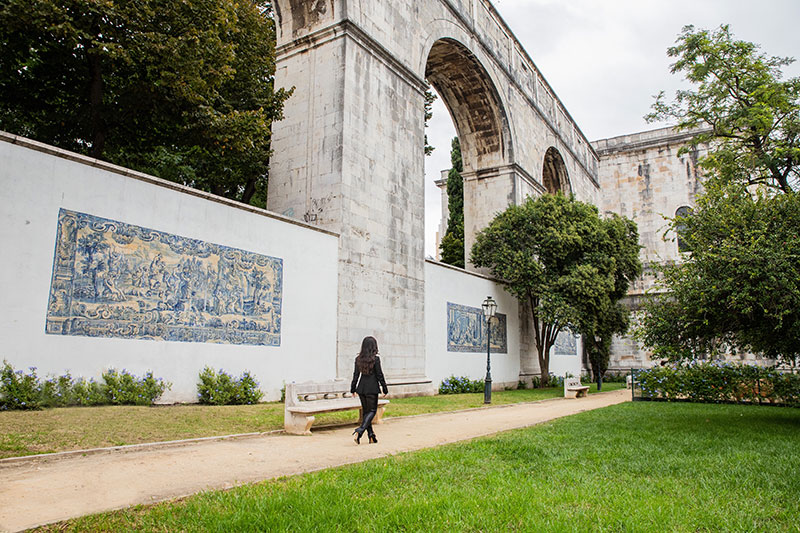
680 227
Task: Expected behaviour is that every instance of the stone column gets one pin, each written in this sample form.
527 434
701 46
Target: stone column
349 157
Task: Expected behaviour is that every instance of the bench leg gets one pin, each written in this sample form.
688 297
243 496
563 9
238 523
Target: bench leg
379 415
581 394
297 424
570 394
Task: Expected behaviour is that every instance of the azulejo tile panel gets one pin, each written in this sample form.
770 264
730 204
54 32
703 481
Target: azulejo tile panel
466 330
566 344
112 279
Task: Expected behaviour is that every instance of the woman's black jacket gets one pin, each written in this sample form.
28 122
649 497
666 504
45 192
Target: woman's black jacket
369 382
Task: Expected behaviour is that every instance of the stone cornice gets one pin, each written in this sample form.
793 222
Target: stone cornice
350 29
512 169
644 140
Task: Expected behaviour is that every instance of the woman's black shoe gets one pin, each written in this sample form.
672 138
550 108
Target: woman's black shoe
373 439
357 436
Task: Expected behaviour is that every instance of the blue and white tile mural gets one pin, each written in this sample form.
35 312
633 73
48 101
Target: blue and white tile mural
466 330
112 279
566 344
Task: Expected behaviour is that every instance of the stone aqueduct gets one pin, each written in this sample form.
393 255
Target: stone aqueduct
348 156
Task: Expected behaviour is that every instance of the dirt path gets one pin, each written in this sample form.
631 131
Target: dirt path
43 490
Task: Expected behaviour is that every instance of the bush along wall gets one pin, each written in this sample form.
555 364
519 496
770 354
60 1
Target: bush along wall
220 388
458 385
718 382
20 390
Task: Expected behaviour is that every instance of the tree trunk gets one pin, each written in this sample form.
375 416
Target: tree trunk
249 191
96 104
545 336
544 370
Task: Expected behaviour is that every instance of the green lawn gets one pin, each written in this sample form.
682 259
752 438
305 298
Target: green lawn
74 428
640 466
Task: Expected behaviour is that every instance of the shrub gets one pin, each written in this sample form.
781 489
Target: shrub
614 377
717 382
126 389
87 393
57 392
454 385
18 390
220 388
25 391
557 381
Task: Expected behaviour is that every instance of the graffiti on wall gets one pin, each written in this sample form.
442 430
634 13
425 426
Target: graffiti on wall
566 344
112 279
466 330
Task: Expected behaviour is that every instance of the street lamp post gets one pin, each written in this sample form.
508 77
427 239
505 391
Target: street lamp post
489 307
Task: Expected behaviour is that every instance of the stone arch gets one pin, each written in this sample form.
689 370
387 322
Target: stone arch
554 173
474 104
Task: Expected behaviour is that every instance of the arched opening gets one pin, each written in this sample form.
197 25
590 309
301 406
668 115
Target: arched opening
473 102
468 107
554 173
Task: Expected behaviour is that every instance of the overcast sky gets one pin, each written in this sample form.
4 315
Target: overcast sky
606 59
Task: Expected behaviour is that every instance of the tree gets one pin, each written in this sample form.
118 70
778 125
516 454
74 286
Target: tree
744 112
566 265
430 98
181 90
739 287
452 244
600 322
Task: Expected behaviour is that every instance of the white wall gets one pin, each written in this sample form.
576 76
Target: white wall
36 181
561 364
446 284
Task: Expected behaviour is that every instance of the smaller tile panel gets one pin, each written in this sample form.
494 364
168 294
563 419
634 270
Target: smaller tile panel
466 330
566 344
112 279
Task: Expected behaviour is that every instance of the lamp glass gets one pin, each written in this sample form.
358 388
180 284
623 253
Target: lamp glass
489 307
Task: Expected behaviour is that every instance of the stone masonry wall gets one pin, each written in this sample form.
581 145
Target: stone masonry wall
643 177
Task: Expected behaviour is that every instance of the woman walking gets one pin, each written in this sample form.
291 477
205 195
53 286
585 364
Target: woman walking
367 377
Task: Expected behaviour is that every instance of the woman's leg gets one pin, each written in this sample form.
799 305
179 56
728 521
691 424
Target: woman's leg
371 409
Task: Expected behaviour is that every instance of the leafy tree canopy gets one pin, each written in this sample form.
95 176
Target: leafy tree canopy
739 288
183 90
452 245
565 263
750 117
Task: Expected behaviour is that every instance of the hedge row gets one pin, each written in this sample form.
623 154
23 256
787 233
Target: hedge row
719 382
19 390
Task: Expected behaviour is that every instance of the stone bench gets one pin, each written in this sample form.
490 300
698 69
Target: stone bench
304 400
574 389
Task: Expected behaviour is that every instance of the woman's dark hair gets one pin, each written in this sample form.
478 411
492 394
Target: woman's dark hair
366 357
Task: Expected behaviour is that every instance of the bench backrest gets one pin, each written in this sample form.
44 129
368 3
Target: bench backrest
310 391
572 382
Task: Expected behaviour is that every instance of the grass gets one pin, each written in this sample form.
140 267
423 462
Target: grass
75 428
632 467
